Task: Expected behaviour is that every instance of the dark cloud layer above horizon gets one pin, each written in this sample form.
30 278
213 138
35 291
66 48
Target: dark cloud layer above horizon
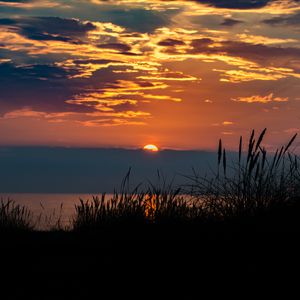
63 168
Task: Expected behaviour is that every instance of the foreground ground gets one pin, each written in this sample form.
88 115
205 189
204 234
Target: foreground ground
63 265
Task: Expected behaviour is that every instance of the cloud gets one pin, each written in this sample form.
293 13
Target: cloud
260 53
168 76
4 60
115 46
121 95
256 58
111 123
237 76
32 4
226 123
202 45
240 4
290 20
231 22
95 119
170 42
120 64
22 1
49 28
24 112
33 85
136 19
233 4
263 40
261 99
292 130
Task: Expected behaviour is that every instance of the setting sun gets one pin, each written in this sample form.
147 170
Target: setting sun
151 148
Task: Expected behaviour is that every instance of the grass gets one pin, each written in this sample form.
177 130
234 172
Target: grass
256 185
14 217
159 204
257 188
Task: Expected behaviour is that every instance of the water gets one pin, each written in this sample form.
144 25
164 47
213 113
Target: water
48 208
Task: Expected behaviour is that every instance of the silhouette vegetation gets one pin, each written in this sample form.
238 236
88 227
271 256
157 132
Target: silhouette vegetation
14 217
256 190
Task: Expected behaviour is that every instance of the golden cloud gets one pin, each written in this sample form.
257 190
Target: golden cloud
261 99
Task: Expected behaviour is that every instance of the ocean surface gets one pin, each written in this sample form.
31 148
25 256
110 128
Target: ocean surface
47 209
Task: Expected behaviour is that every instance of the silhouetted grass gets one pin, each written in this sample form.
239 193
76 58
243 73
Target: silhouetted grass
256 188
256 184
158 205
14 217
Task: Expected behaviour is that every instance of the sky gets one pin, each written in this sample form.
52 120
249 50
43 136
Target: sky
178 74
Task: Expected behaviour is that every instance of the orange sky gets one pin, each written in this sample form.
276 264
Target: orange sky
178 74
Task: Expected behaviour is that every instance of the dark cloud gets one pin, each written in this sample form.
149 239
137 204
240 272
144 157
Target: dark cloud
16 1
34 86
263 54
241 4
131 53
170 43
9 70
138 20
234 4
202 45
115 46
7 22
21 168
50 28
132 35
290 20
230 22
47 88
94 61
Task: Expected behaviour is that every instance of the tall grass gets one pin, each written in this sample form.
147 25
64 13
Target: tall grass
255 185
158 204
14 217
257 182
136 209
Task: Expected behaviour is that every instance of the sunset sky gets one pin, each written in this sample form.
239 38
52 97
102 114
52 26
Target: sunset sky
177 74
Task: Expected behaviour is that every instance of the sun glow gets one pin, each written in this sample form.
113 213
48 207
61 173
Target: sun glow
151 148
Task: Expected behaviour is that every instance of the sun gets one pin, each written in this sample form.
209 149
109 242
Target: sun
151 148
